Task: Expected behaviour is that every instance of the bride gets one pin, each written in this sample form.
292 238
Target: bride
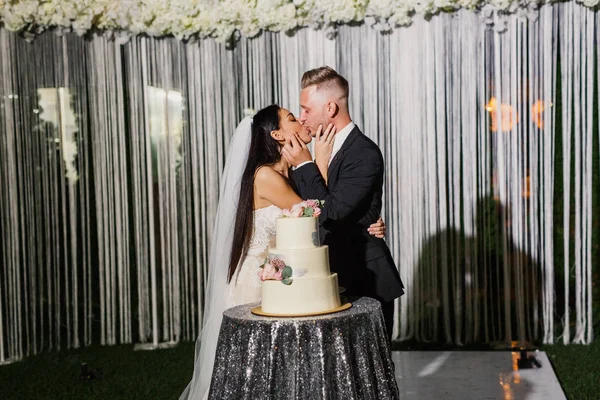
254 189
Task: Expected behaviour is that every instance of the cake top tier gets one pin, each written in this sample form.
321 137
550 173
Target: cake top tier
297 233
298 227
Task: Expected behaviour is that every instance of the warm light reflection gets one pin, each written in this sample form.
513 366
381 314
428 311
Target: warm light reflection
505 382
527 187
510 379
495 186
536 113
508 117
515 365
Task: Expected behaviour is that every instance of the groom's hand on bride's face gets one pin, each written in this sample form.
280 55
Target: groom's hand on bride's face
295 151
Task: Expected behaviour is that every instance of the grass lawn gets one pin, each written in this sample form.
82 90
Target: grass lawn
163 374
577 368
127 374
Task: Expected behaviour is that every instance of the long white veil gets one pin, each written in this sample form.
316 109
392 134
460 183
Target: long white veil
220 249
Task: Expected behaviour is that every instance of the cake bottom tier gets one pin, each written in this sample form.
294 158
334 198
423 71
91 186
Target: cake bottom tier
303 296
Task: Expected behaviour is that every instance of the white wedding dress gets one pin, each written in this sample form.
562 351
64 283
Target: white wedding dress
245 285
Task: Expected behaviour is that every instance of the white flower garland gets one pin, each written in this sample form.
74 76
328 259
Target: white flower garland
226 19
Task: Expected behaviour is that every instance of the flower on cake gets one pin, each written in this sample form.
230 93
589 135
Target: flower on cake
267 271
308 208
278 263
274 269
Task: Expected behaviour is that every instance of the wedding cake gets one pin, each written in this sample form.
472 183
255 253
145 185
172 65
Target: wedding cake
296 276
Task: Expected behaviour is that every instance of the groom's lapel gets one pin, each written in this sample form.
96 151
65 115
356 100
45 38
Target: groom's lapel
336 162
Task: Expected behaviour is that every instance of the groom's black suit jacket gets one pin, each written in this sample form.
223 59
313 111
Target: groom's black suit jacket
353 202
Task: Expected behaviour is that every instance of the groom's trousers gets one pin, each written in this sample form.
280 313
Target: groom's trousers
388 317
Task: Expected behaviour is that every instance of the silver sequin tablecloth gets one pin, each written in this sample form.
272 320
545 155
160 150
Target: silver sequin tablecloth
345 355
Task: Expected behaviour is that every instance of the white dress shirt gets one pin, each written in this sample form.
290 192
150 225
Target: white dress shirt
339 139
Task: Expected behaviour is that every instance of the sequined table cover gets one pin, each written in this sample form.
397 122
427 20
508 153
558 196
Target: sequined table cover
345 355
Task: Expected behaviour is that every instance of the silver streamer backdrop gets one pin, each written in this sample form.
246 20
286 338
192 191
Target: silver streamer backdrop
110 157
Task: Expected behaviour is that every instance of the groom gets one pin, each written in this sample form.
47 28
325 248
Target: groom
352 193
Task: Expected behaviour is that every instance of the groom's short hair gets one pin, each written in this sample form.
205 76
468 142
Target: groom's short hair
325 78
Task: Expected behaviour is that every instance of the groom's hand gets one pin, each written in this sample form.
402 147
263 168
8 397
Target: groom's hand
295 151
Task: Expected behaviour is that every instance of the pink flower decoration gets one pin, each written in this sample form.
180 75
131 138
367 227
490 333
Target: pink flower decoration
312 203
297 210
268 271
300 209
277 275
278 263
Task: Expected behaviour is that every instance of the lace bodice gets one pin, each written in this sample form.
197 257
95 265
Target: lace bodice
263 233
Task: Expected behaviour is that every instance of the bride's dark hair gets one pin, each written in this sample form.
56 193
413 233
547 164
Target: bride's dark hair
264 150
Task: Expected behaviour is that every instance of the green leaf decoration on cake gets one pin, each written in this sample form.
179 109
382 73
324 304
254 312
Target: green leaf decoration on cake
287 281
286 273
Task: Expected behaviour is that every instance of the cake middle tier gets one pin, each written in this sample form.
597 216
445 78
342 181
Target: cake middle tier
305 263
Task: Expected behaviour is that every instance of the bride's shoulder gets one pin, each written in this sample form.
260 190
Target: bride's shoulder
266 172
267 177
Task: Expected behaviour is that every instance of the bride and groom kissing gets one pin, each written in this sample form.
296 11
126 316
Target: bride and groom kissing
269 168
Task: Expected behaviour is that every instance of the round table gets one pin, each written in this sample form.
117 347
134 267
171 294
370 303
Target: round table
345 355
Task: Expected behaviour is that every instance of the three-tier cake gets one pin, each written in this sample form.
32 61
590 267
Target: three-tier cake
311 288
